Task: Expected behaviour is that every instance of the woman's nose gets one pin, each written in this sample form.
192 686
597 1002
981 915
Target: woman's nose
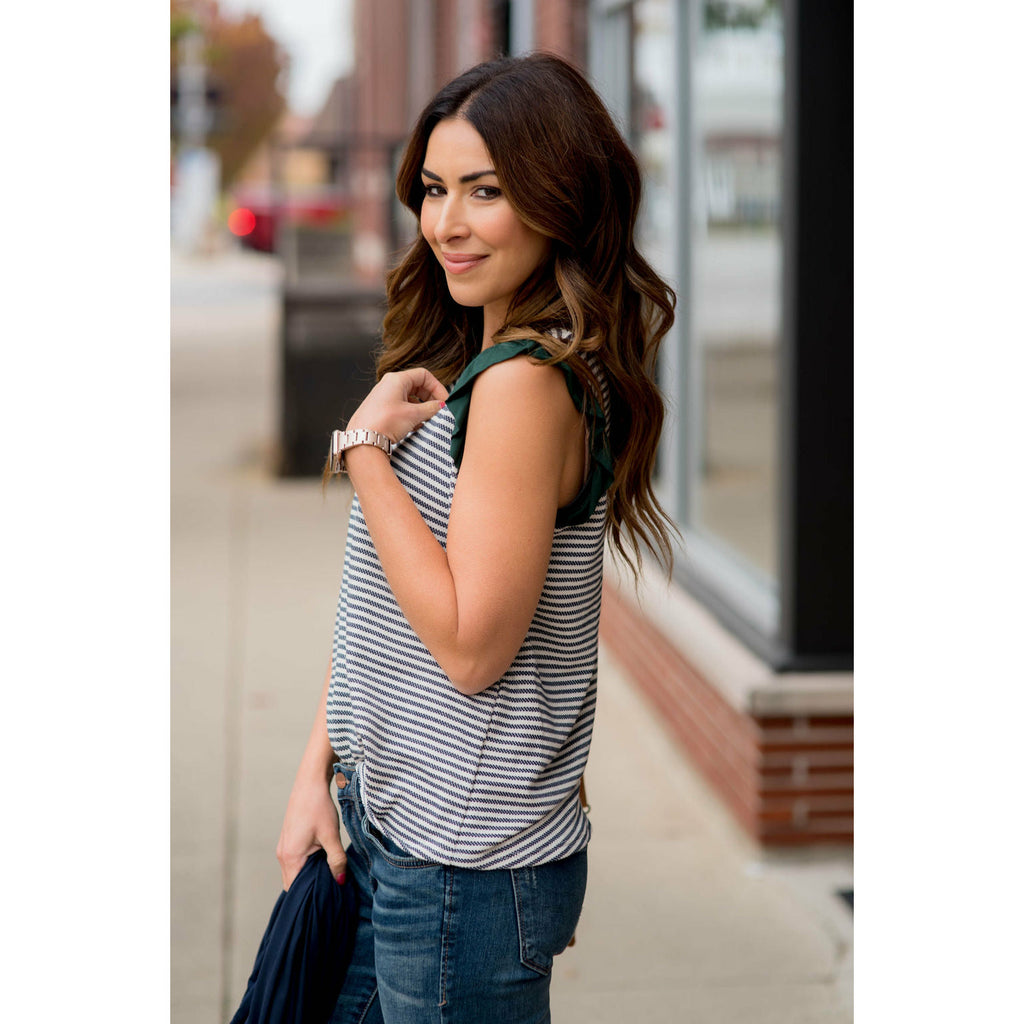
450 221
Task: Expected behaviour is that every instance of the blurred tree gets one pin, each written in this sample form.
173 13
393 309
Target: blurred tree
733 14
245 69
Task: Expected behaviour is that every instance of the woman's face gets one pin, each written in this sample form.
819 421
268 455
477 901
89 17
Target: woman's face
486 251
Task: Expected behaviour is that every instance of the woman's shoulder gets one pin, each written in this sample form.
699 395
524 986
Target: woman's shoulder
499 371
525 372
501 352
510 349
548 390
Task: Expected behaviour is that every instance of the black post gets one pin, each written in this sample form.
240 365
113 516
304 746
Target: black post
816 414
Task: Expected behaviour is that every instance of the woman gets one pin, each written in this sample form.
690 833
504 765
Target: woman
460 697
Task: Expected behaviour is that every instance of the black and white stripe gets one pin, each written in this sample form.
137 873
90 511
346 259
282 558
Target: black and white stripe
483 781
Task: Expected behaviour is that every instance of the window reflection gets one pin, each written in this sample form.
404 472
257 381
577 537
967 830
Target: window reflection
652 102
736 284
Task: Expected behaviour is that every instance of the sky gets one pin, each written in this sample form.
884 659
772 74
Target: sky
317 36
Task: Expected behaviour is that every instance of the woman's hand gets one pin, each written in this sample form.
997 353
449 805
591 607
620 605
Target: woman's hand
400 402
310 824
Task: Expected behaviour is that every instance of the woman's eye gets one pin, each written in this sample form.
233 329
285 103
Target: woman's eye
433 191
487 192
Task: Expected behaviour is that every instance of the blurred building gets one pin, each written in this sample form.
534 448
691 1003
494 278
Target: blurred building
741 114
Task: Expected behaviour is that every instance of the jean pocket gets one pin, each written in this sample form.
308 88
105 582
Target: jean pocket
549 899
390 850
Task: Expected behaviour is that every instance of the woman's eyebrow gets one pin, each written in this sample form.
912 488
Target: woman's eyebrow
463 180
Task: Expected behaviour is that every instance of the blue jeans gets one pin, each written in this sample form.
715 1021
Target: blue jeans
450 945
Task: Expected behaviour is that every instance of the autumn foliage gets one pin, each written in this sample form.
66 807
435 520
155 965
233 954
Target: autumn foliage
245 67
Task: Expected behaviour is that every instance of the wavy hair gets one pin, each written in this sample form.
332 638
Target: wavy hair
568 174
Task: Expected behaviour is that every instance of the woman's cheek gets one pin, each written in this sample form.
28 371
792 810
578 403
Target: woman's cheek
427 222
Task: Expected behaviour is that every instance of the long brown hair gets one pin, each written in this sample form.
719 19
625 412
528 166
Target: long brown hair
569 175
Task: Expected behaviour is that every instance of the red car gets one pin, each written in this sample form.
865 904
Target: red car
259 211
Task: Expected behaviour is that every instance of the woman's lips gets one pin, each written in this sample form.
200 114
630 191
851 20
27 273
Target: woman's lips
460 263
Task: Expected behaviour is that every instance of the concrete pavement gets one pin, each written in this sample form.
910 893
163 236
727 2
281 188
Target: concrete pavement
685 921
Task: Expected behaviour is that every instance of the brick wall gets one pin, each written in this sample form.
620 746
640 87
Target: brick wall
788 780
560 27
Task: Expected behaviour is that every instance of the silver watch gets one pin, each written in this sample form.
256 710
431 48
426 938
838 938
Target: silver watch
341 440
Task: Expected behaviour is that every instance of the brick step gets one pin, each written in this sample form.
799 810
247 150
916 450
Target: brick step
771 785
814 760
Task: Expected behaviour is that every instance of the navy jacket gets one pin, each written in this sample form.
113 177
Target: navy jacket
301 962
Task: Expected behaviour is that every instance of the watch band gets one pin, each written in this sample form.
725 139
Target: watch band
341 440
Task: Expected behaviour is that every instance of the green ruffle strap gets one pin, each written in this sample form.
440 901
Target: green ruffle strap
602 471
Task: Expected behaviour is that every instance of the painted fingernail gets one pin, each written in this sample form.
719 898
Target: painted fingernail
340 879
443 406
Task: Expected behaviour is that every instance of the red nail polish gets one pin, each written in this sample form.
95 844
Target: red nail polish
341 878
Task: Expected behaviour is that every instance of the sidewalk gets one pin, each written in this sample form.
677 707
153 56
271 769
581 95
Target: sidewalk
685 922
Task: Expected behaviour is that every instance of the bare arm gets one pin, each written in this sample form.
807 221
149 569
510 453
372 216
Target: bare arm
472 604
311 819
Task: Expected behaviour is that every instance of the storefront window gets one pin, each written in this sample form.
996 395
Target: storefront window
752 463
698 86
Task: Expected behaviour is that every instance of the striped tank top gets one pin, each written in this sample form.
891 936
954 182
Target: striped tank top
488 780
